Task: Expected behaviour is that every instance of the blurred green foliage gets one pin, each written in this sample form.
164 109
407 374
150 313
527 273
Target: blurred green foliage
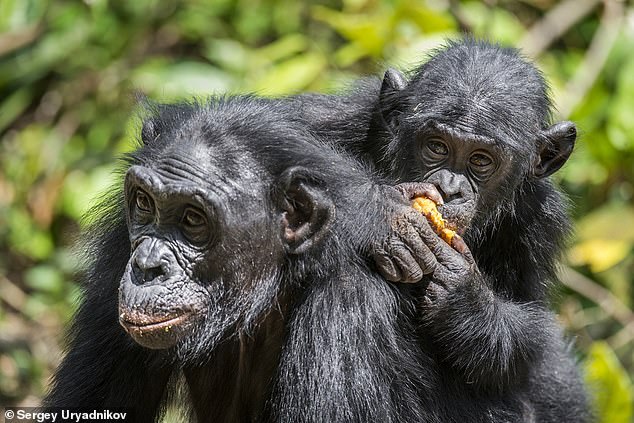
69 70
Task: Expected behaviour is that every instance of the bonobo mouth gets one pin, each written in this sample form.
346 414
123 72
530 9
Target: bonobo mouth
458 215
156 332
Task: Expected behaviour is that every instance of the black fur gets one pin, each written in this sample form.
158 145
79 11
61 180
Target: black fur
493 335
321 339
324 338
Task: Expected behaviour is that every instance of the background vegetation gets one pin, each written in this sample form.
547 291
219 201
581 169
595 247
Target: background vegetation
69 68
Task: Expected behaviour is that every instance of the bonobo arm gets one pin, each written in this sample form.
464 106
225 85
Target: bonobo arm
103 367
489 338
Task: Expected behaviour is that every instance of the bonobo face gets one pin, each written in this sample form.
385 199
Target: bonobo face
465 168
194 258
476 132
171 228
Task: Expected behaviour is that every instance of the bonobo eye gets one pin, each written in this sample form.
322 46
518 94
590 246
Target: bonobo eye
195 225
437 147
480 160
143 202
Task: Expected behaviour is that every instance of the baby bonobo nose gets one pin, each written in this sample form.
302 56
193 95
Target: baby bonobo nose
451 186
451 196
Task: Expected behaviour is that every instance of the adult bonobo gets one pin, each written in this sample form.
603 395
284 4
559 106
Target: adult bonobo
474 122
230 261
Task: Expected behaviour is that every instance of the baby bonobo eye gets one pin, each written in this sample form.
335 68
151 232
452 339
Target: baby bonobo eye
480 159
437 147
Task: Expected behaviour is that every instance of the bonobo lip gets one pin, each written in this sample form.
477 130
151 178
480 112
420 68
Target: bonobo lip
157 332
148 325
458 214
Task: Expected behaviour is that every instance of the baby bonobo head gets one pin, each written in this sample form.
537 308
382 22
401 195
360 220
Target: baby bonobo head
474 121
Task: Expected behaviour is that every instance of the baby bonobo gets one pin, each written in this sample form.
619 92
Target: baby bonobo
473 124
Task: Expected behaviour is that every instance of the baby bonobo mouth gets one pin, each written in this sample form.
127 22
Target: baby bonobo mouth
446 219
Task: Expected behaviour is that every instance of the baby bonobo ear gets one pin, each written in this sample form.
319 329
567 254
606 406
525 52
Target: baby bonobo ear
307 210
393 82
555 146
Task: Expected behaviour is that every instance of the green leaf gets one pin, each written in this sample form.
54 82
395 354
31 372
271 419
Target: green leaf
614 221
620 123
229 54
494 23
368 32
45 278
81 190
281 49
17 14
26 238
14 105
291 75
609 384
182 79
605 237
599 254
425 18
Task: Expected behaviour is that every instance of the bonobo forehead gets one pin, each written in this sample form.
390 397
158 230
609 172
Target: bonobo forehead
483 89
186 162
459 133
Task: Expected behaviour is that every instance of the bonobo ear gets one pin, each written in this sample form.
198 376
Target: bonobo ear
149 131
393 82
307 211
556 146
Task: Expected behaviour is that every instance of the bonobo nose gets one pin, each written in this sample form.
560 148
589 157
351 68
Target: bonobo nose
152 259
453 187
450 195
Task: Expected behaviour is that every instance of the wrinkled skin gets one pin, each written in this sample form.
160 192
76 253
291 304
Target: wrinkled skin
466 172
415 249
161 297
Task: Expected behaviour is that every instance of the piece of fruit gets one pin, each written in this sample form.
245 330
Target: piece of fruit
430 210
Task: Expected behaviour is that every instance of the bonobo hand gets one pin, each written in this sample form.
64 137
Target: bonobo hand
413 249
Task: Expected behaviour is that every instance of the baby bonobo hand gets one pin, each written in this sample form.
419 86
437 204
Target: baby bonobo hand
413 248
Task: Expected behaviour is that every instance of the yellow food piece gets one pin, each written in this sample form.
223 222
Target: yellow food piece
429 209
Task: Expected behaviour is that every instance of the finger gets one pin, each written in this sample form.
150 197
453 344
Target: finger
435 243
387 269
422 227
409 268
419 250
420 189
386 266
443 254
460 246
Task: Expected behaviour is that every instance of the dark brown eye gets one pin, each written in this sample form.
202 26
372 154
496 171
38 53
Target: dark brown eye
480 160
437 147
193 218
143 202
195 225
